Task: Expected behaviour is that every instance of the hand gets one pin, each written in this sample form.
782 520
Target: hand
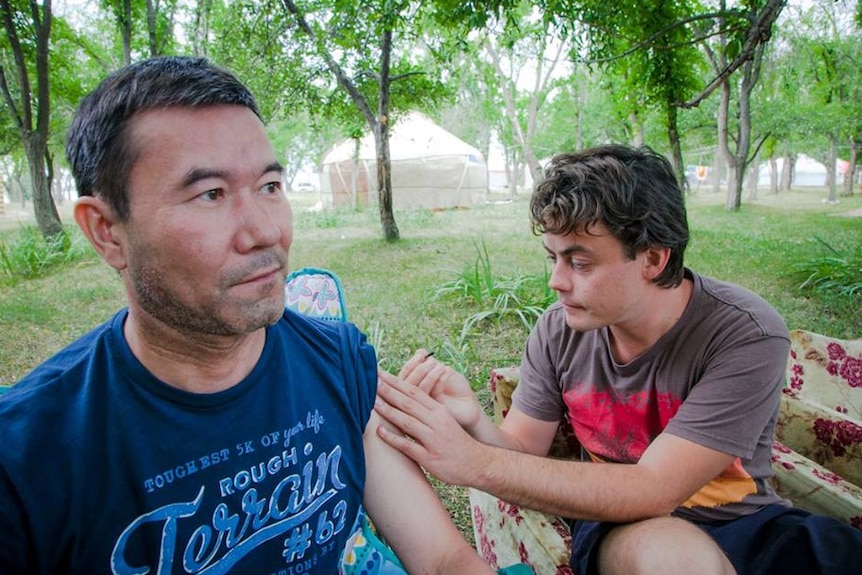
428 433
445 385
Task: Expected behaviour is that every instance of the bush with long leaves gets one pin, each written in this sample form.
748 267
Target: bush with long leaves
27 254
837 271
521 296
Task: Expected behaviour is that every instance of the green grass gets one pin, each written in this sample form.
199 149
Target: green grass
455 265
27 254
836 271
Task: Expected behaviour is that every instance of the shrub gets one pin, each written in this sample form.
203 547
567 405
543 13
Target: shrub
523 297
836 271
28 254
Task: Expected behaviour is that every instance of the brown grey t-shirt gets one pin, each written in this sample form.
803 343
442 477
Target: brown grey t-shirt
715 379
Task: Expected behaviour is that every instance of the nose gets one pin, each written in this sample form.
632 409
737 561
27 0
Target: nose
260 223
560 280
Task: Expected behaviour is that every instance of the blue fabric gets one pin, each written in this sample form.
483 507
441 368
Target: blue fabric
779 540
104 469
773 541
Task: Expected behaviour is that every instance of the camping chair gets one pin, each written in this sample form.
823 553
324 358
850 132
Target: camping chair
315 292
318 293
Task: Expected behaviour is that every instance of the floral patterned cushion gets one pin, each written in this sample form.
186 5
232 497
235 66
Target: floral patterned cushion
816 455
818 448
506 533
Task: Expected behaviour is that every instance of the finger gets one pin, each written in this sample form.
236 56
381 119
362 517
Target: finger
403 421
435 373
403 395
405 445
416 360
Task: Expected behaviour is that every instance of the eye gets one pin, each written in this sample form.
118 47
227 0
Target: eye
271 188
212 195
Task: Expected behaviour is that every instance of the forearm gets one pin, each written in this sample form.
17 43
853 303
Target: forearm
485 431
462 560
669 472
573 489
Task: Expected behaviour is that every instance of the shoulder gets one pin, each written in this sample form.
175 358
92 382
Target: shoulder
319 332
59 375
552 323
734 304
334 341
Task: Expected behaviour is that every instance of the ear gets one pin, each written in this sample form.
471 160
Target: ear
102 227
655 260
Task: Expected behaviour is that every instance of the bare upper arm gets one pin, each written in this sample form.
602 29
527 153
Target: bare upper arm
529 434
409 514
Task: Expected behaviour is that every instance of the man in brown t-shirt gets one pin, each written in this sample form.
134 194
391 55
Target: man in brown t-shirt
670 379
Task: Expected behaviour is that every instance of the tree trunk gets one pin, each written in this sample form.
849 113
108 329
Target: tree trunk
735 173
739 160
379 125
126 31
384 181
354 174
47 217
636 136
33 127
515 175
734 177
753 177
152 35
773 176
676 148
381 141
850 174
831 160
788 167
718 165
523 137
201 28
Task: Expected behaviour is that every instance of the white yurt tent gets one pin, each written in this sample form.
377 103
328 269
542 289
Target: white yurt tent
431 168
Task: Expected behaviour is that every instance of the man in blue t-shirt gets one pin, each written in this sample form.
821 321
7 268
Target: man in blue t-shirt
204 429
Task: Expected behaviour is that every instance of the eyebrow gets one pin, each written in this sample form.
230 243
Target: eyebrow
574 248
273 167
199 174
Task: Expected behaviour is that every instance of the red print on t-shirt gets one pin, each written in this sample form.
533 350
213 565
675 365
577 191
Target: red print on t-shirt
615 427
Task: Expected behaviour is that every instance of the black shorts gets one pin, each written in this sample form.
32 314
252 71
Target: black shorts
775 540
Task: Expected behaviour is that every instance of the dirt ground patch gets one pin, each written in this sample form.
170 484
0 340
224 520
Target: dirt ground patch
851 214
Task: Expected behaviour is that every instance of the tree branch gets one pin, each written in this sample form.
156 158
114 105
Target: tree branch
640 44
341 77
760 33
24 116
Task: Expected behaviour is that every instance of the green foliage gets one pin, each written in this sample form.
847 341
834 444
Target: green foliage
28 254
837 271
523 297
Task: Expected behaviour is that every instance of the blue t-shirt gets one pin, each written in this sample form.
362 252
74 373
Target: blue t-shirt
106 469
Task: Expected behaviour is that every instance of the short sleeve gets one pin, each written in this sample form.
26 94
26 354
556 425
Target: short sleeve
13 544
360 364
538 393
736 398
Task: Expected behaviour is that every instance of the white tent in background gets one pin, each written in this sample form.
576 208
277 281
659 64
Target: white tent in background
431 168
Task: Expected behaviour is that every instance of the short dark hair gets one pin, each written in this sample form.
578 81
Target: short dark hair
96 146
631 191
